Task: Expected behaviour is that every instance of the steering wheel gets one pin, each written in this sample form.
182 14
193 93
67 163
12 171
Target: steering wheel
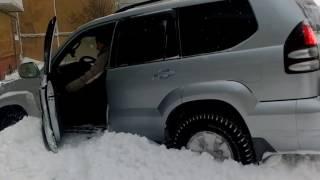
87 60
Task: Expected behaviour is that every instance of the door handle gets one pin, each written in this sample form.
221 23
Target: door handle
164 74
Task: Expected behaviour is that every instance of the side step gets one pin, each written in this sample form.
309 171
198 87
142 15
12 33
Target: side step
290 158
85 129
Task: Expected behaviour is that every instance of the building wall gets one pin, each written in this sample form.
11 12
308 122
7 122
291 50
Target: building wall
8 51
70 14
22 34
33 22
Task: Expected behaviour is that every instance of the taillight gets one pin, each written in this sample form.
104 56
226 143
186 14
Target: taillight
301 50
310 38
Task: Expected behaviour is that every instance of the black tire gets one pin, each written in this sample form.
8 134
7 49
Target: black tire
10 115
45 142
236 137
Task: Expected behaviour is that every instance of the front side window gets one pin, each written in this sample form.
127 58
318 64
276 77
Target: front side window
81 53
85 44
215 26
146 39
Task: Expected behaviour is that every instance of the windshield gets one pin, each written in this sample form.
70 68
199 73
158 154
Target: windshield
312 11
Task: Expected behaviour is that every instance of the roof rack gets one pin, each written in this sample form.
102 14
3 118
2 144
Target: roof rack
136 5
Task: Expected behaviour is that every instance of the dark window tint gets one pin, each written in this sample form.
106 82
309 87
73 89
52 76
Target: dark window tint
215 26
146 39
311 11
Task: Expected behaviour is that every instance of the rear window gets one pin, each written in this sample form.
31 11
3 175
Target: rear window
312 11
215 26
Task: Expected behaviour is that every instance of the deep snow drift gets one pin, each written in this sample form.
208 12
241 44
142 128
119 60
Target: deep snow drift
123 156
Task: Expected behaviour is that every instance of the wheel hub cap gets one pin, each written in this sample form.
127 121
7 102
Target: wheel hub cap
212 143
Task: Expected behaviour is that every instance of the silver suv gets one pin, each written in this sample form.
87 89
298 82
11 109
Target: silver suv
233 78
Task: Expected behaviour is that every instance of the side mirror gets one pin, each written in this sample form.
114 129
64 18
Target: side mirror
29 70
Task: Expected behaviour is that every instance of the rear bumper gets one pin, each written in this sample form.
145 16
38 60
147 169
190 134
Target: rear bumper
307 115
287 125
310 105
308 123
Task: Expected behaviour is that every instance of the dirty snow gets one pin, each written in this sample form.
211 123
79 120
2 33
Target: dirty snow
122 156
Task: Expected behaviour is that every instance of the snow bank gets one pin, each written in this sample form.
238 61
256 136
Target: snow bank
123 156
15 75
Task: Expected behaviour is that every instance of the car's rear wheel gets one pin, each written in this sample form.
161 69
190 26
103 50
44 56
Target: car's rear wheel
215 134
10 115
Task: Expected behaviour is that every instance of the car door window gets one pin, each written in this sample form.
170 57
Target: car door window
145 39
215 26
86 47
84 44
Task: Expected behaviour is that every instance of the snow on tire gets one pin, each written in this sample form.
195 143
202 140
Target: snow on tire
209 128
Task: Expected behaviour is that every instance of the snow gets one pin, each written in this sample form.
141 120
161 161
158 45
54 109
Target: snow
37 62
120 156
15 75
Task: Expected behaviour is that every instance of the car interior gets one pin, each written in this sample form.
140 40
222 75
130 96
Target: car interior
87 106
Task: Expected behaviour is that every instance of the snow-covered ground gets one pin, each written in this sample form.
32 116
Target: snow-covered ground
123 156
10 77
14 76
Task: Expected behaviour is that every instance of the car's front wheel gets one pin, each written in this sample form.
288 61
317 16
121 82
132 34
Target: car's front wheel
215 134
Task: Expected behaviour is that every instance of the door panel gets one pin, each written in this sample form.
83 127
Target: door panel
142 76
134 95
49 117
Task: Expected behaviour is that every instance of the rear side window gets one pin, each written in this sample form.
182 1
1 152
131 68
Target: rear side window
146 39
312 11
215 26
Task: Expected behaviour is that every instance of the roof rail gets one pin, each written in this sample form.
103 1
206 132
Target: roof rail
136 5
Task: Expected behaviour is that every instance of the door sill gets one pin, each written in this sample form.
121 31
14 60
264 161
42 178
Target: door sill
85 129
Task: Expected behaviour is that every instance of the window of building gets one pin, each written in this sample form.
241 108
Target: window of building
215 26
145 39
